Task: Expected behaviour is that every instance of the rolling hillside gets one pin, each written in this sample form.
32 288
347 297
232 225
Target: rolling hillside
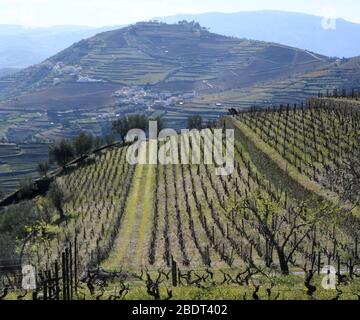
182 57
297 88
275 215
75 90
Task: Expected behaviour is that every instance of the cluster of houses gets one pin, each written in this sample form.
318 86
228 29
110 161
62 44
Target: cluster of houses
61 70
140 96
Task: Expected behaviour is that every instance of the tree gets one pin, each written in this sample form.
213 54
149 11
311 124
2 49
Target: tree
46 211
211 124
137 121
233 112
283 232
83 144
98 142
43 168
14 223
26 188
160 123
58 197
194 122
109 139
122 126
15 219
8 252
62 153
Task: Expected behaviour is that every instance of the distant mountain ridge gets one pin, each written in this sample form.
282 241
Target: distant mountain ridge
7 71
294 29
21 46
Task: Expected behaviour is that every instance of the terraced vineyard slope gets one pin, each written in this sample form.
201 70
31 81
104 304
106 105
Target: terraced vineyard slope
275 216
200 219
296 88
312 141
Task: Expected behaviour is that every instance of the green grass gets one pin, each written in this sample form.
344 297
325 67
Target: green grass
134 233
286 288
97 203
147 211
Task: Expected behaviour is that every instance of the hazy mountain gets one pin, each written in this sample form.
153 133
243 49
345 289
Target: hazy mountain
7 71
293 29
21 47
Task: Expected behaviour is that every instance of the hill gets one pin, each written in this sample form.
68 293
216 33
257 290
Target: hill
341 74
293 29
152 68
21 47
274 215
184 56
157 69
149 68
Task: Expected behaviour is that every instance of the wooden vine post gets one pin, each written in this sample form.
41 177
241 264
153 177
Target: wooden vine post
174 272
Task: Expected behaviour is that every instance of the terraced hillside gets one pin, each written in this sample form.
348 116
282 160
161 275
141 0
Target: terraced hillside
274 215
183 69
188 212
161 54
98 193
313 141
18 162
296 88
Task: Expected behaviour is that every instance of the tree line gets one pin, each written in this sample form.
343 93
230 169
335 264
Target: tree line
67 150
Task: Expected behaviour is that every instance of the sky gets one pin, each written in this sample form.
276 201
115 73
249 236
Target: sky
118 12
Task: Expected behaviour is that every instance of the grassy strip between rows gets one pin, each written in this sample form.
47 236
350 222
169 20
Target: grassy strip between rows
286 167
133 237
121 247
147 215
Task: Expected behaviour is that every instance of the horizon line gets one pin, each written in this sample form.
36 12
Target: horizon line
32 26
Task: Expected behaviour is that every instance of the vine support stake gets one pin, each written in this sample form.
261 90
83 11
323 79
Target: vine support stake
174 272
